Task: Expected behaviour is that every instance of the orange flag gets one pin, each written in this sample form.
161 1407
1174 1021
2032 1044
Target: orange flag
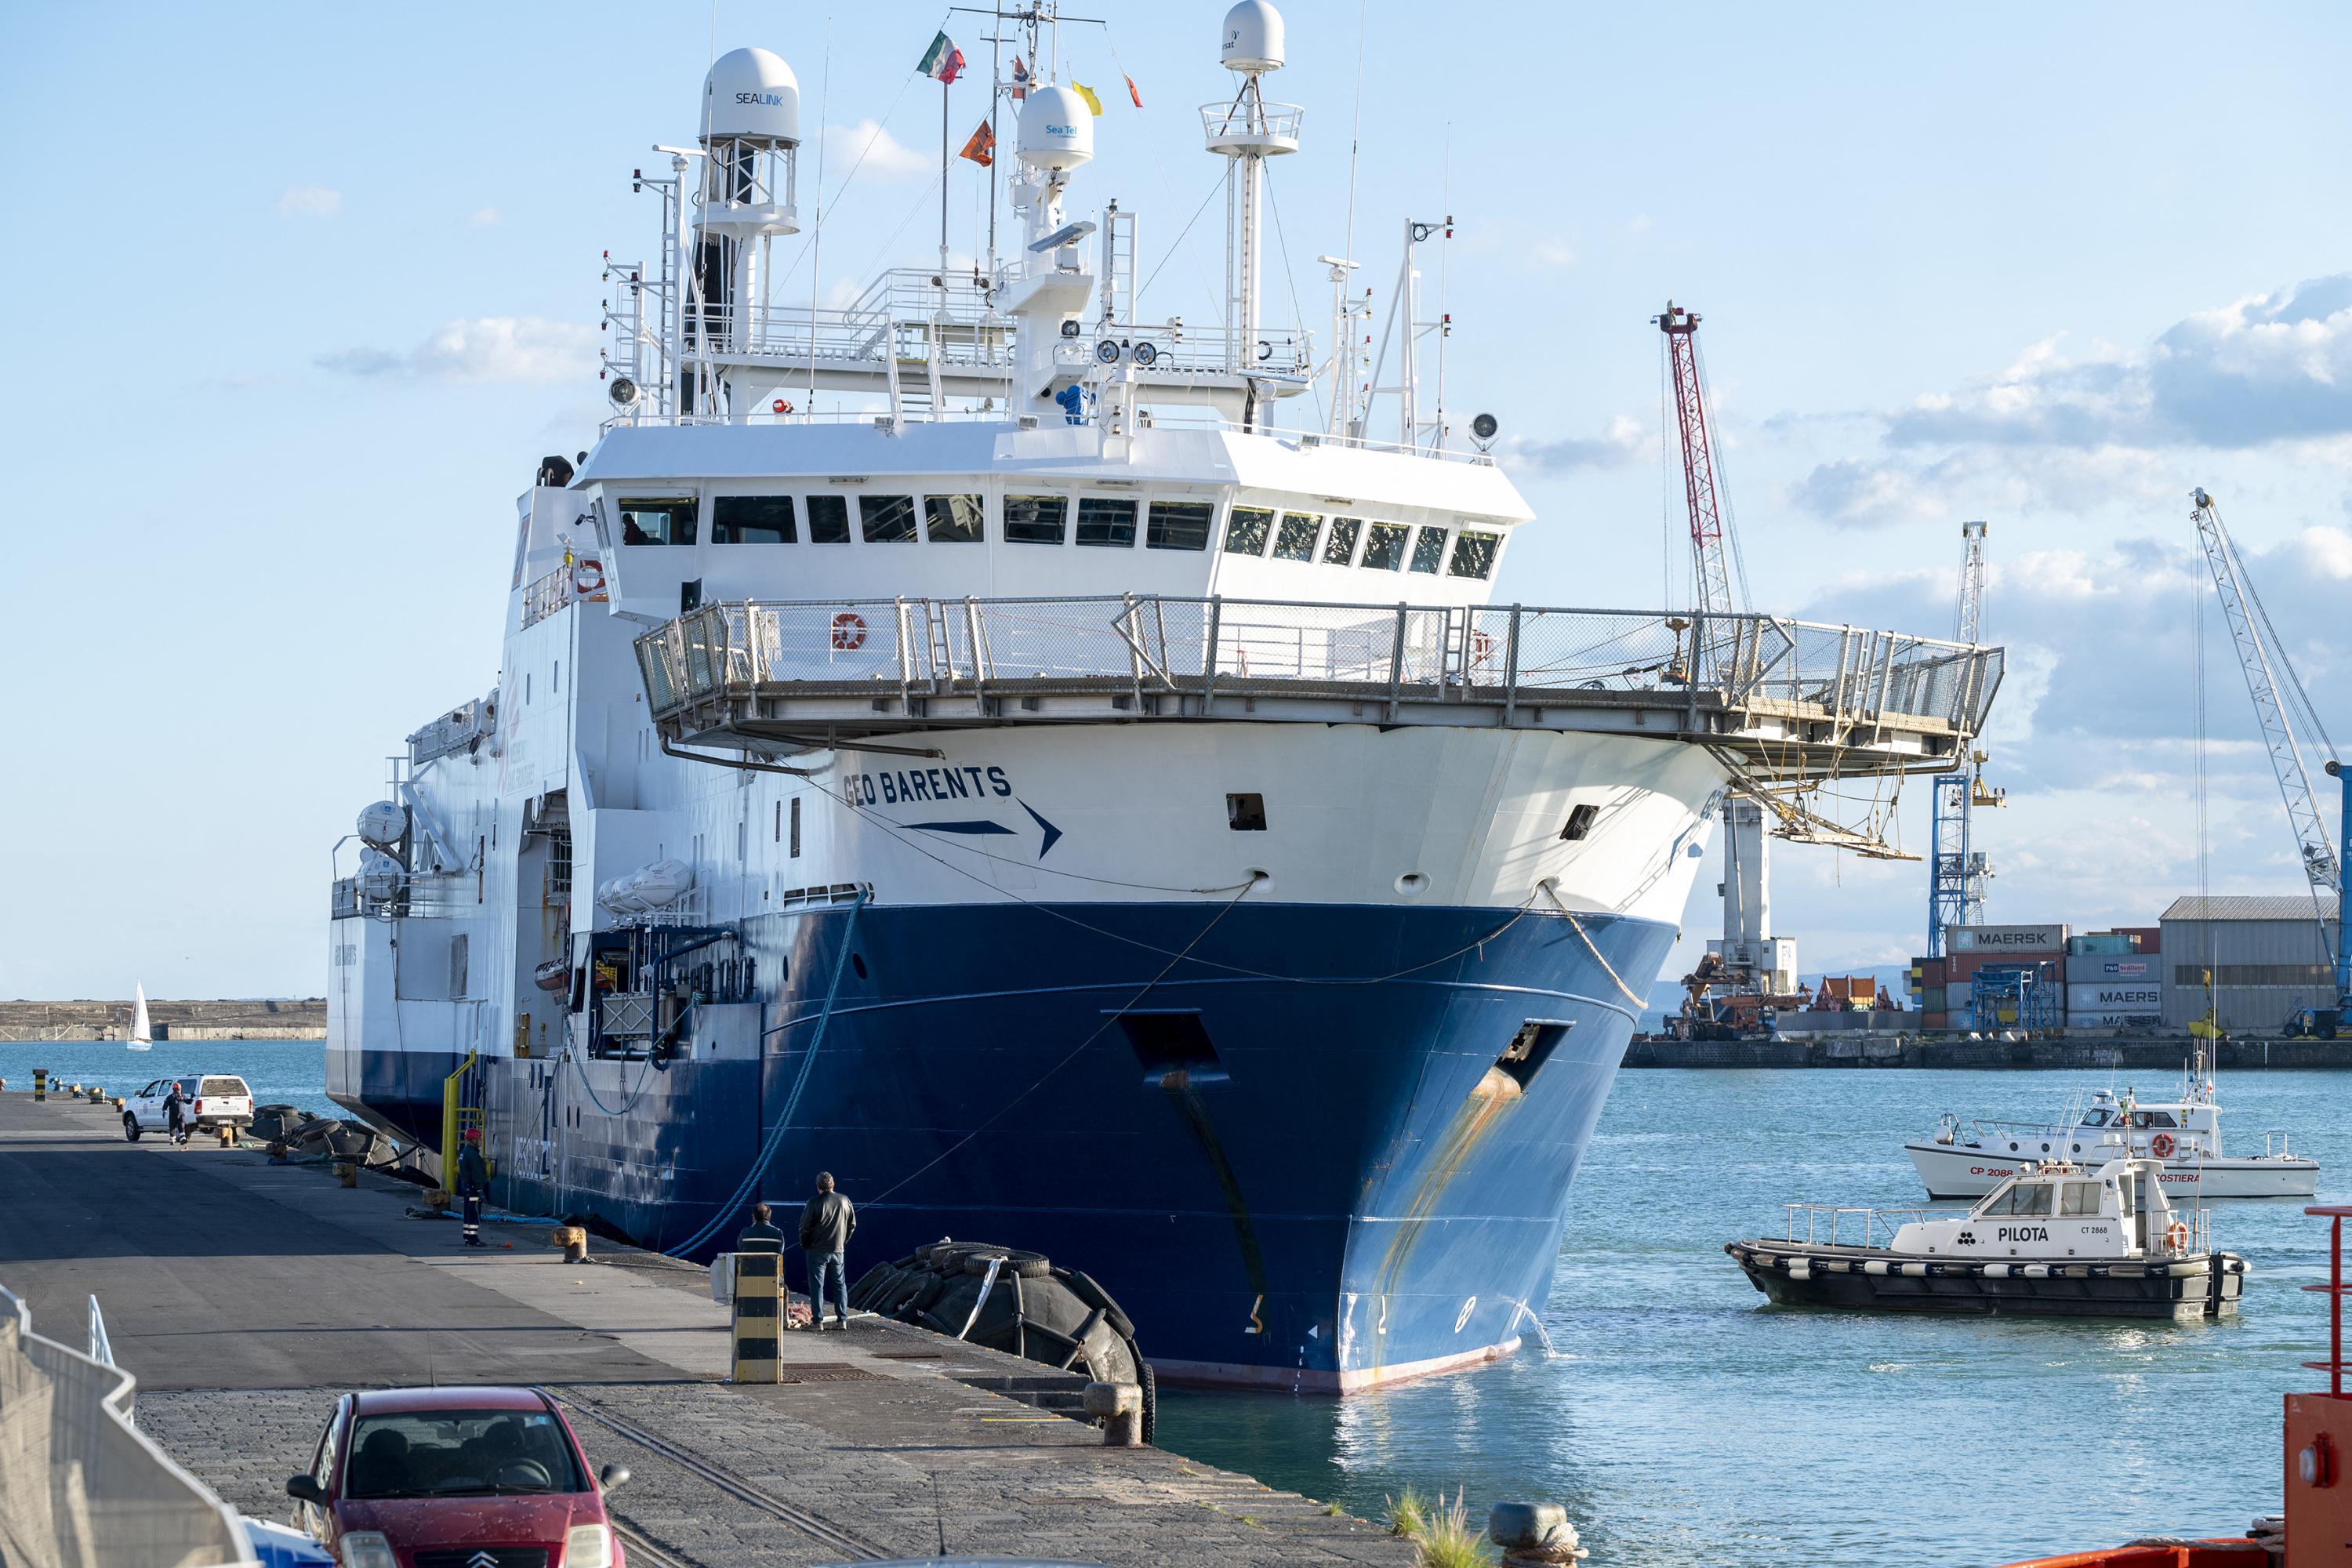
982 148
1132 92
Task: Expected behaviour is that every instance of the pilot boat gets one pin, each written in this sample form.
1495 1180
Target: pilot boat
2056 1240
1964 1161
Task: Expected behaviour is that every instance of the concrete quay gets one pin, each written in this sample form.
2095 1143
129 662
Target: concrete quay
246 1296
1850 1049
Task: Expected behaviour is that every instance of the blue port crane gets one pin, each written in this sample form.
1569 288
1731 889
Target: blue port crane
2277 707
1956 869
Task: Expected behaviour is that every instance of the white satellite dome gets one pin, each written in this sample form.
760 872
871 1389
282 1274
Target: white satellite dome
1253 38
382 824
1057 130
751 94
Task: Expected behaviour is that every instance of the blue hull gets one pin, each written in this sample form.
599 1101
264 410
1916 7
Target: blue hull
1307 1170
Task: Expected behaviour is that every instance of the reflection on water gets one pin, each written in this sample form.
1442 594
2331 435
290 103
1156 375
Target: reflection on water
1680 1421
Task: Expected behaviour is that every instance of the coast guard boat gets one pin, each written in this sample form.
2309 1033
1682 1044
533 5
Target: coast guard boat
966 741
2183 1135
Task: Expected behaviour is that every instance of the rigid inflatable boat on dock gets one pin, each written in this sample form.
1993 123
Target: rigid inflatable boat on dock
2056 1240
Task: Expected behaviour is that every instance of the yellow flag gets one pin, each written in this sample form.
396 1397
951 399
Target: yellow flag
1083 91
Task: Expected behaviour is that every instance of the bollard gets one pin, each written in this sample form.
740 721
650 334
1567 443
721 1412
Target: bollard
117 1102
347 1173
278 1152
97 1095
438 1200
573 1239
1533 1534
40 1085
759 1298
1119 1407
227 1135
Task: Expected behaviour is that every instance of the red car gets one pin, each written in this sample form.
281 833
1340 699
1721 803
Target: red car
455 1478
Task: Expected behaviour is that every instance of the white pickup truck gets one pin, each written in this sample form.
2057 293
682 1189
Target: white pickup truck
208 1100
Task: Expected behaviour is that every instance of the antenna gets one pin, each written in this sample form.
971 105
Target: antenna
749 146
1248 131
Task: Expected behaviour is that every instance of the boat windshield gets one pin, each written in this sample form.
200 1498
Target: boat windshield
2096 1118
2023 1198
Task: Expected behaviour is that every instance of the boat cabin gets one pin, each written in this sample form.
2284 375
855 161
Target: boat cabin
2060 1210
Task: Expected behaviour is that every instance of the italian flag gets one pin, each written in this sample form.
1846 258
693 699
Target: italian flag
942 62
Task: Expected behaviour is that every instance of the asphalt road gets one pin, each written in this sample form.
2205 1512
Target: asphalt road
216 1270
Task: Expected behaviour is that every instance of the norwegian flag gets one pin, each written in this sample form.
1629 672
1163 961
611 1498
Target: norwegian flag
1020 78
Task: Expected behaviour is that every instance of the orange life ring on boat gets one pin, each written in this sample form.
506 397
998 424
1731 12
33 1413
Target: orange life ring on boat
848 631
2176 1236
2161 1145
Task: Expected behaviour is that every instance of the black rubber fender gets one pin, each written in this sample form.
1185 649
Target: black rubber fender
1082 1285
1028 1265
1150 1386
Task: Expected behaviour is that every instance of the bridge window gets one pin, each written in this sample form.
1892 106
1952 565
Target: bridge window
659 521
1340 546
1107 520
1035 520
1246 528
1384 547
752 520
2025 1198
828 519
1429 550
952 520
1179 525
1296 539
887 520
1474 555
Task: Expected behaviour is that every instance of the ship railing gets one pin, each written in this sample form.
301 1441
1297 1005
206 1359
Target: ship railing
542 596
2283 1151
1248 118
455 730
1514 657
1848 1225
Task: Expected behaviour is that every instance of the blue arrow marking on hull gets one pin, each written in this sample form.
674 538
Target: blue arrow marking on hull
961 827
1052 833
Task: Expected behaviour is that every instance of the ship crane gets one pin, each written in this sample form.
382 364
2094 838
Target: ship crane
1956 869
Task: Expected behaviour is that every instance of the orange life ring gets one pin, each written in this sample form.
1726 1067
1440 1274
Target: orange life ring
2161 1145
848 631
2176 1236
781 406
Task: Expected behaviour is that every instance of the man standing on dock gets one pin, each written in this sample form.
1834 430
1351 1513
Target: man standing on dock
761 1234
826 1225
473 1175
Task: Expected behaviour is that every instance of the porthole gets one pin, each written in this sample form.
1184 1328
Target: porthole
2012 1148
858 962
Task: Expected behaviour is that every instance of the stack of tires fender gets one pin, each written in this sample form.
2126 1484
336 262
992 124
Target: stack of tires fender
1058 1316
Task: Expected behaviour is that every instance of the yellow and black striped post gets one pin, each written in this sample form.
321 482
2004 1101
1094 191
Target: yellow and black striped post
41 1083
759 1315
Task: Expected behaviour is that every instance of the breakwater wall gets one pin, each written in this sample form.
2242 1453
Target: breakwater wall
258 1019
2164 1053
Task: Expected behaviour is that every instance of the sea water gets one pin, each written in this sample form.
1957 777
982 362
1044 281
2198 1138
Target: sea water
279 1072
1680 1420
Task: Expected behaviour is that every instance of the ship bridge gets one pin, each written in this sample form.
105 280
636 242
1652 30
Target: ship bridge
1779 699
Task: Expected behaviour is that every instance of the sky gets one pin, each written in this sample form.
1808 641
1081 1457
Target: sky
303 292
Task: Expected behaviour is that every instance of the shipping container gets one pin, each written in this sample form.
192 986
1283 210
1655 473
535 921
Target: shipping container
1931 970
2014 942
2101 941
1931 999
2151 938
2141 969
2119 997
2148 1019
1935 1021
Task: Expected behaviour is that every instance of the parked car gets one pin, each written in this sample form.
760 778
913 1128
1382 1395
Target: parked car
212 1100
455 1478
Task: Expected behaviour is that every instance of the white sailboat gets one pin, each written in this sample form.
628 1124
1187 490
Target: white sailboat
143 1034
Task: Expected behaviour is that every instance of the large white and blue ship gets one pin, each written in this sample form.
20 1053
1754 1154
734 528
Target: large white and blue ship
1001 749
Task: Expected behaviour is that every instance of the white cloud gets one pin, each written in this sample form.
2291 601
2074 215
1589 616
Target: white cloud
481 218
310 201
482 349
1621 443
873 152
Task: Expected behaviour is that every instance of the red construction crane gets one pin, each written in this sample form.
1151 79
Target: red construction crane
1706 522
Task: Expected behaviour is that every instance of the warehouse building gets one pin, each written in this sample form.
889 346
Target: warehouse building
2267 955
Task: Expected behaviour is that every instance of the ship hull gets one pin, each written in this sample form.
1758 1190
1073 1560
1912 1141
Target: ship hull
1278 1134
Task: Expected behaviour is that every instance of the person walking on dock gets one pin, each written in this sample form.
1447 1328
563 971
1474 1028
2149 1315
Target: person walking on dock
175 1115
826 1224
473 1175
760 1235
